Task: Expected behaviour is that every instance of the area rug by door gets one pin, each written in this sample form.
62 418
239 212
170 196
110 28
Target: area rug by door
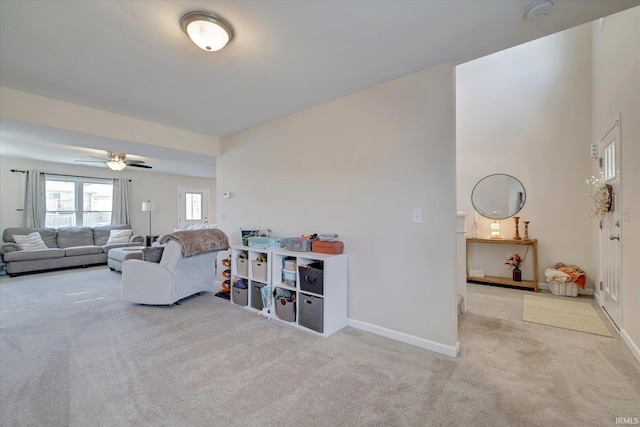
567 314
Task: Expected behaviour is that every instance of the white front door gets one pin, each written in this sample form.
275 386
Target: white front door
610 229
193 206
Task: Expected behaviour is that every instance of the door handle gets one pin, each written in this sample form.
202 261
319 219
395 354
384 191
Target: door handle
612 237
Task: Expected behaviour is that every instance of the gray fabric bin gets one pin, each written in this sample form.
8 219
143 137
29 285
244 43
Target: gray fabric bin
239 296
312 277
311 312
285 310
256 295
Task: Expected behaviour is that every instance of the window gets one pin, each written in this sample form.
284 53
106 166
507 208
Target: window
194 206
78 201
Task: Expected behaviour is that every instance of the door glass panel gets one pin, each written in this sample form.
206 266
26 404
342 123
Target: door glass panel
610 161
193 206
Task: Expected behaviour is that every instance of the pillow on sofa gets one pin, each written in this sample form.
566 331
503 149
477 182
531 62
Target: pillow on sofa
119 236
152 253
30 242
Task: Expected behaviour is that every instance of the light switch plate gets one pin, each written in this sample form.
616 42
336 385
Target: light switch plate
594 150
416 216
626 213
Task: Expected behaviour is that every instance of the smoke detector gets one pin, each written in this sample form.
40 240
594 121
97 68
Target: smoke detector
539 9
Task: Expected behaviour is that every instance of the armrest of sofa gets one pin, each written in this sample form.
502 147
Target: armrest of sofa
137 239
10 247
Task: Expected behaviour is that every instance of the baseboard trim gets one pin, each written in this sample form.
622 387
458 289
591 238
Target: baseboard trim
596 296
635 349
632 345
581 291
447 350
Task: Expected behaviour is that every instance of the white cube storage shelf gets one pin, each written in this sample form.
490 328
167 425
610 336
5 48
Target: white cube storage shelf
245 265
327 314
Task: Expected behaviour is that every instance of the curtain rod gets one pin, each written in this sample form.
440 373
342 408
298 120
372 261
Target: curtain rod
60 174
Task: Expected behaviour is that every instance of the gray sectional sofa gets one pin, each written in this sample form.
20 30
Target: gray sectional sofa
66 247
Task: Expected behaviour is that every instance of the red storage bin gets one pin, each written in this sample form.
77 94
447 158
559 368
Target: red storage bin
327 247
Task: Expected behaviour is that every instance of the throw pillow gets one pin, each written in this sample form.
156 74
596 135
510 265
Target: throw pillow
152 253
119 236
30 242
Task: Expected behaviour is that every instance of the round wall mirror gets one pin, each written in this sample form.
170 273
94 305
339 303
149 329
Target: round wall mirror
498 196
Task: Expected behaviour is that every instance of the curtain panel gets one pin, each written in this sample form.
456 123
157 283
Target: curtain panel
35 203
121 207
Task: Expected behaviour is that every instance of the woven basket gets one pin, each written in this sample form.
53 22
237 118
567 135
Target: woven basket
569 289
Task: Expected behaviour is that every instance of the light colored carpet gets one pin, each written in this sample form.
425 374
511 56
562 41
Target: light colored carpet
563 313
73 354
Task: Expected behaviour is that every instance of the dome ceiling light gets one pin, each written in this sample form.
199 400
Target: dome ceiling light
539 9
207 31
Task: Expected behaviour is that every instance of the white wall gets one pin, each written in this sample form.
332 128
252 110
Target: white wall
616 89
162 189
526 112
357 166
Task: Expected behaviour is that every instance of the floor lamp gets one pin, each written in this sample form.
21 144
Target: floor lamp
148 207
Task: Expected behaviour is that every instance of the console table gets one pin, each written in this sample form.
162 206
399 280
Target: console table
493 280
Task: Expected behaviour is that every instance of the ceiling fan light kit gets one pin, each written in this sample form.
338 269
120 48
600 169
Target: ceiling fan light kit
117 162
208 31
116 165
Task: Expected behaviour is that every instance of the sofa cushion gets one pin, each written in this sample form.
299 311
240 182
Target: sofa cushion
75 236
119 236
82 250
30 242
48 235
101 232
33 255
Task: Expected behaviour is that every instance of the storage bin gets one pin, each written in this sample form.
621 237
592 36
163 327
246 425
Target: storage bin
246 233
312 277
239 296
285 310
564 289
256 295
327 247
295 244
311 312
265 242
259 270
242 267
289 277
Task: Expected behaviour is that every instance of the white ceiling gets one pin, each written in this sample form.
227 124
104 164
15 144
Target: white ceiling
132 58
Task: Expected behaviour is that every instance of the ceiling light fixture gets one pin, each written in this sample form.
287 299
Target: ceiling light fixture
539 9
207 31
116 165
116 162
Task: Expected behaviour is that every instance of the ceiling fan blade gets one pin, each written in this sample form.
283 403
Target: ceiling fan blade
99 158
129 162
137 165
90 161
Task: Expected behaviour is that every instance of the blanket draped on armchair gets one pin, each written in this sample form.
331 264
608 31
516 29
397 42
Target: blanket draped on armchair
196 242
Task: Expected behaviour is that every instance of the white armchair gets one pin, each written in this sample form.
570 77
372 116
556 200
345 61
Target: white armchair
175 277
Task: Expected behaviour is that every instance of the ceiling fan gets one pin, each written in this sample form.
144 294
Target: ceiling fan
117 162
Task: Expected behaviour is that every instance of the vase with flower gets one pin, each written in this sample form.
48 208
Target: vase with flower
515 261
